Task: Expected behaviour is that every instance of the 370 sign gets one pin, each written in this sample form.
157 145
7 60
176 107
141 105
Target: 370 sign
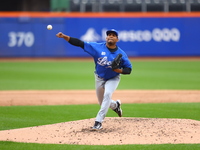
18 39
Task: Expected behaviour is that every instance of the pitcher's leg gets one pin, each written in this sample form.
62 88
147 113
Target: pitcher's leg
110 87
99 86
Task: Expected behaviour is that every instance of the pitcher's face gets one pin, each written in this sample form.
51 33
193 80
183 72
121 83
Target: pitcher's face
111 39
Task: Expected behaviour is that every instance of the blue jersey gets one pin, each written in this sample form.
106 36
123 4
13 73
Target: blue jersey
103 58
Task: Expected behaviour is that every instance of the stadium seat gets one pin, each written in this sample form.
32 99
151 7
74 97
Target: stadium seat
111 5
177 5
86 5
155 5
75 5
133 5
194 5
89 5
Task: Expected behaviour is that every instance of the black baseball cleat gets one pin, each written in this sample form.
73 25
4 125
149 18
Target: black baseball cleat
118 110
97 126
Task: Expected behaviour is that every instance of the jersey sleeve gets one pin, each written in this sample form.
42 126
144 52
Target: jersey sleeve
89 48
126 62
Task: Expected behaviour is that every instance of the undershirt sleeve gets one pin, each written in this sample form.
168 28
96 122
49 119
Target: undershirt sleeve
76 42
126 71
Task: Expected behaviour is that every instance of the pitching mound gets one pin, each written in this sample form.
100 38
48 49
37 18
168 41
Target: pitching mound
115 131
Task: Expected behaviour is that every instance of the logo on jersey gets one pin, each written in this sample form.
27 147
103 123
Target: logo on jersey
103 53
103 61
91 36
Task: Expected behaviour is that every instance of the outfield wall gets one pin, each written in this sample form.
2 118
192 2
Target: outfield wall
141 34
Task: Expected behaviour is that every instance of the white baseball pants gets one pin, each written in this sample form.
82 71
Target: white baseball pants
104 92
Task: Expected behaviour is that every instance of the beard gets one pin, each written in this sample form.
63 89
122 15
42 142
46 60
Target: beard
110 43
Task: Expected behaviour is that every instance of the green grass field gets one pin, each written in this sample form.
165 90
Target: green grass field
183 75
79 75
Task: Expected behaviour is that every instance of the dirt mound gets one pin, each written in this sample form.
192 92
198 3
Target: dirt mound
115 131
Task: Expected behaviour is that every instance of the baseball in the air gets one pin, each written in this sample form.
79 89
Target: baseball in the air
49 27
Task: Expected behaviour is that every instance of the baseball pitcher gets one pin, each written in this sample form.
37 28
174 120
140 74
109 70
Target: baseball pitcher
110 62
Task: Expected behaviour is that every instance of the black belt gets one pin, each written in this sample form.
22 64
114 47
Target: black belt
100 77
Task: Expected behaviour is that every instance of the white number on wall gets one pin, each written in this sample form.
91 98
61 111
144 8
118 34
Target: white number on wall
20 38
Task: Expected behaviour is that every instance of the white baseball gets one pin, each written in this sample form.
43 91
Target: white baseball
49 27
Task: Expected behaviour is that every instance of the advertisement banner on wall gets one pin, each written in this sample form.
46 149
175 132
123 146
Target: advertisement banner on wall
143 36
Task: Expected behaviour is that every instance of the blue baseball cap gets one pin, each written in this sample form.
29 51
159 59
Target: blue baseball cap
112 31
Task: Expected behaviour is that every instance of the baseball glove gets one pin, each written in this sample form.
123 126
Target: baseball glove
116 62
